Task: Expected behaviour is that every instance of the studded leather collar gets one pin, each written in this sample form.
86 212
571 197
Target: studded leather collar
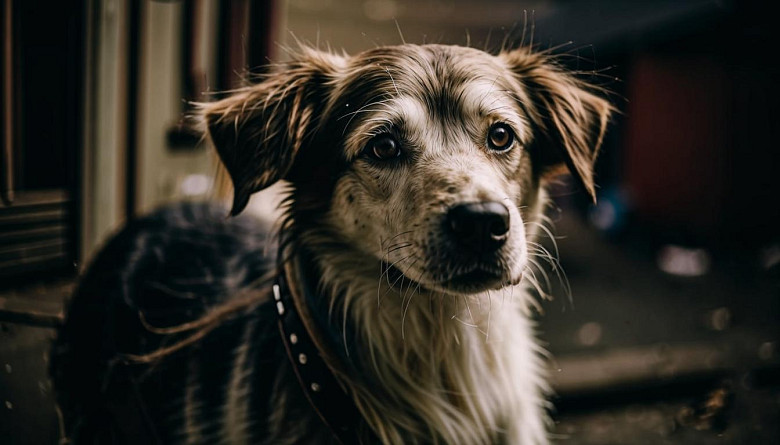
315 364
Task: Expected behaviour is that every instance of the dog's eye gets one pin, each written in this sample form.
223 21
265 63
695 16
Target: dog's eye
500 137
383 147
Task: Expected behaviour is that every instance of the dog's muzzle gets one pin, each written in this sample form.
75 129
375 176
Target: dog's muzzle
470 255
478 228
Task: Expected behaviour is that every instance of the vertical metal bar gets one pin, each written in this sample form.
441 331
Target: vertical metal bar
131 149
88 134
7 180
262 31
234 28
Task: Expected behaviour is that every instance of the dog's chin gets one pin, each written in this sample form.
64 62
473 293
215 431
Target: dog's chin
476 280
471 281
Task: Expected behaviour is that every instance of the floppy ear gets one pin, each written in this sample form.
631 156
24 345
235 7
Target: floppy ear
571 118
259 130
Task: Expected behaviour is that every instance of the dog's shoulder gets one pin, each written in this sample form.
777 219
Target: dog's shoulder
173 266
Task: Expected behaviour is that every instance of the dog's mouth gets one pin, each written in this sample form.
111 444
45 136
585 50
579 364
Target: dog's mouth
477 279
472 279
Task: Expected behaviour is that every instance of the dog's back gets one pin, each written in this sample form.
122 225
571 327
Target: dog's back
166 270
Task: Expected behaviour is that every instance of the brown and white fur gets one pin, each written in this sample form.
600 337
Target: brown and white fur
447 351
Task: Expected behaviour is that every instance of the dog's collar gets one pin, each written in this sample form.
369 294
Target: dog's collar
313 361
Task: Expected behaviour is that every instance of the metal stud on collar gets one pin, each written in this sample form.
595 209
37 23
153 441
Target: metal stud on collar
278 298
326 397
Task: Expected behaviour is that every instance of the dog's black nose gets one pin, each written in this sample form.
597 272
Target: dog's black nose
481 227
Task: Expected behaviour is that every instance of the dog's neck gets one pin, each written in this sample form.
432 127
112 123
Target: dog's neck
463 366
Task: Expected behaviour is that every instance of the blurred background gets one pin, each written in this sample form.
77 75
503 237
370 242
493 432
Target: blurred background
664 327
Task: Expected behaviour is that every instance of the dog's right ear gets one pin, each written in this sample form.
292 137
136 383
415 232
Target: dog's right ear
571 117
259 130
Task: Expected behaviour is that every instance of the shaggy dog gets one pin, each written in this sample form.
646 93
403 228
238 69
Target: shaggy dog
394 306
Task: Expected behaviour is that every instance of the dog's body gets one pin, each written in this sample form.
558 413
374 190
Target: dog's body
417 178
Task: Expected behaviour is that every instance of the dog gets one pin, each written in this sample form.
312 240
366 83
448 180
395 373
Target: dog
393 307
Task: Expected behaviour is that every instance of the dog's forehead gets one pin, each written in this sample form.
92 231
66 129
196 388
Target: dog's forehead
436 73
416 87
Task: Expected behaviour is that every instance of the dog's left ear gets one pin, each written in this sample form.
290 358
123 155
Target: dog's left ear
572 119
260 130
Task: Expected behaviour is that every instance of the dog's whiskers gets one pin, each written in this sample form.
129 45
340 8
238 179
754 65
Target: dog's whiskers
542 272
465 323
530 277
490 90
398 246
468 308
549 234
361 110
390 266
409 303
490 311
396 236
401 277
539 251
395 85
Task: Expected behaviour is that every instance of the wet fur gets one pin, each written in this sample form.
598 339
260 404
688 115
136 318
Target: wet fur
432 361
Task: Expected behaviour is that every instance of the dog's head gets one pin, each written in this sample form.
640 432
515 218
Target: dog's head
429 158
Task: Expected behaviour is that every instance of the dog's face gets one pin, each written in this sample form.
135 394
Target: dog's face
439 166
429 159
